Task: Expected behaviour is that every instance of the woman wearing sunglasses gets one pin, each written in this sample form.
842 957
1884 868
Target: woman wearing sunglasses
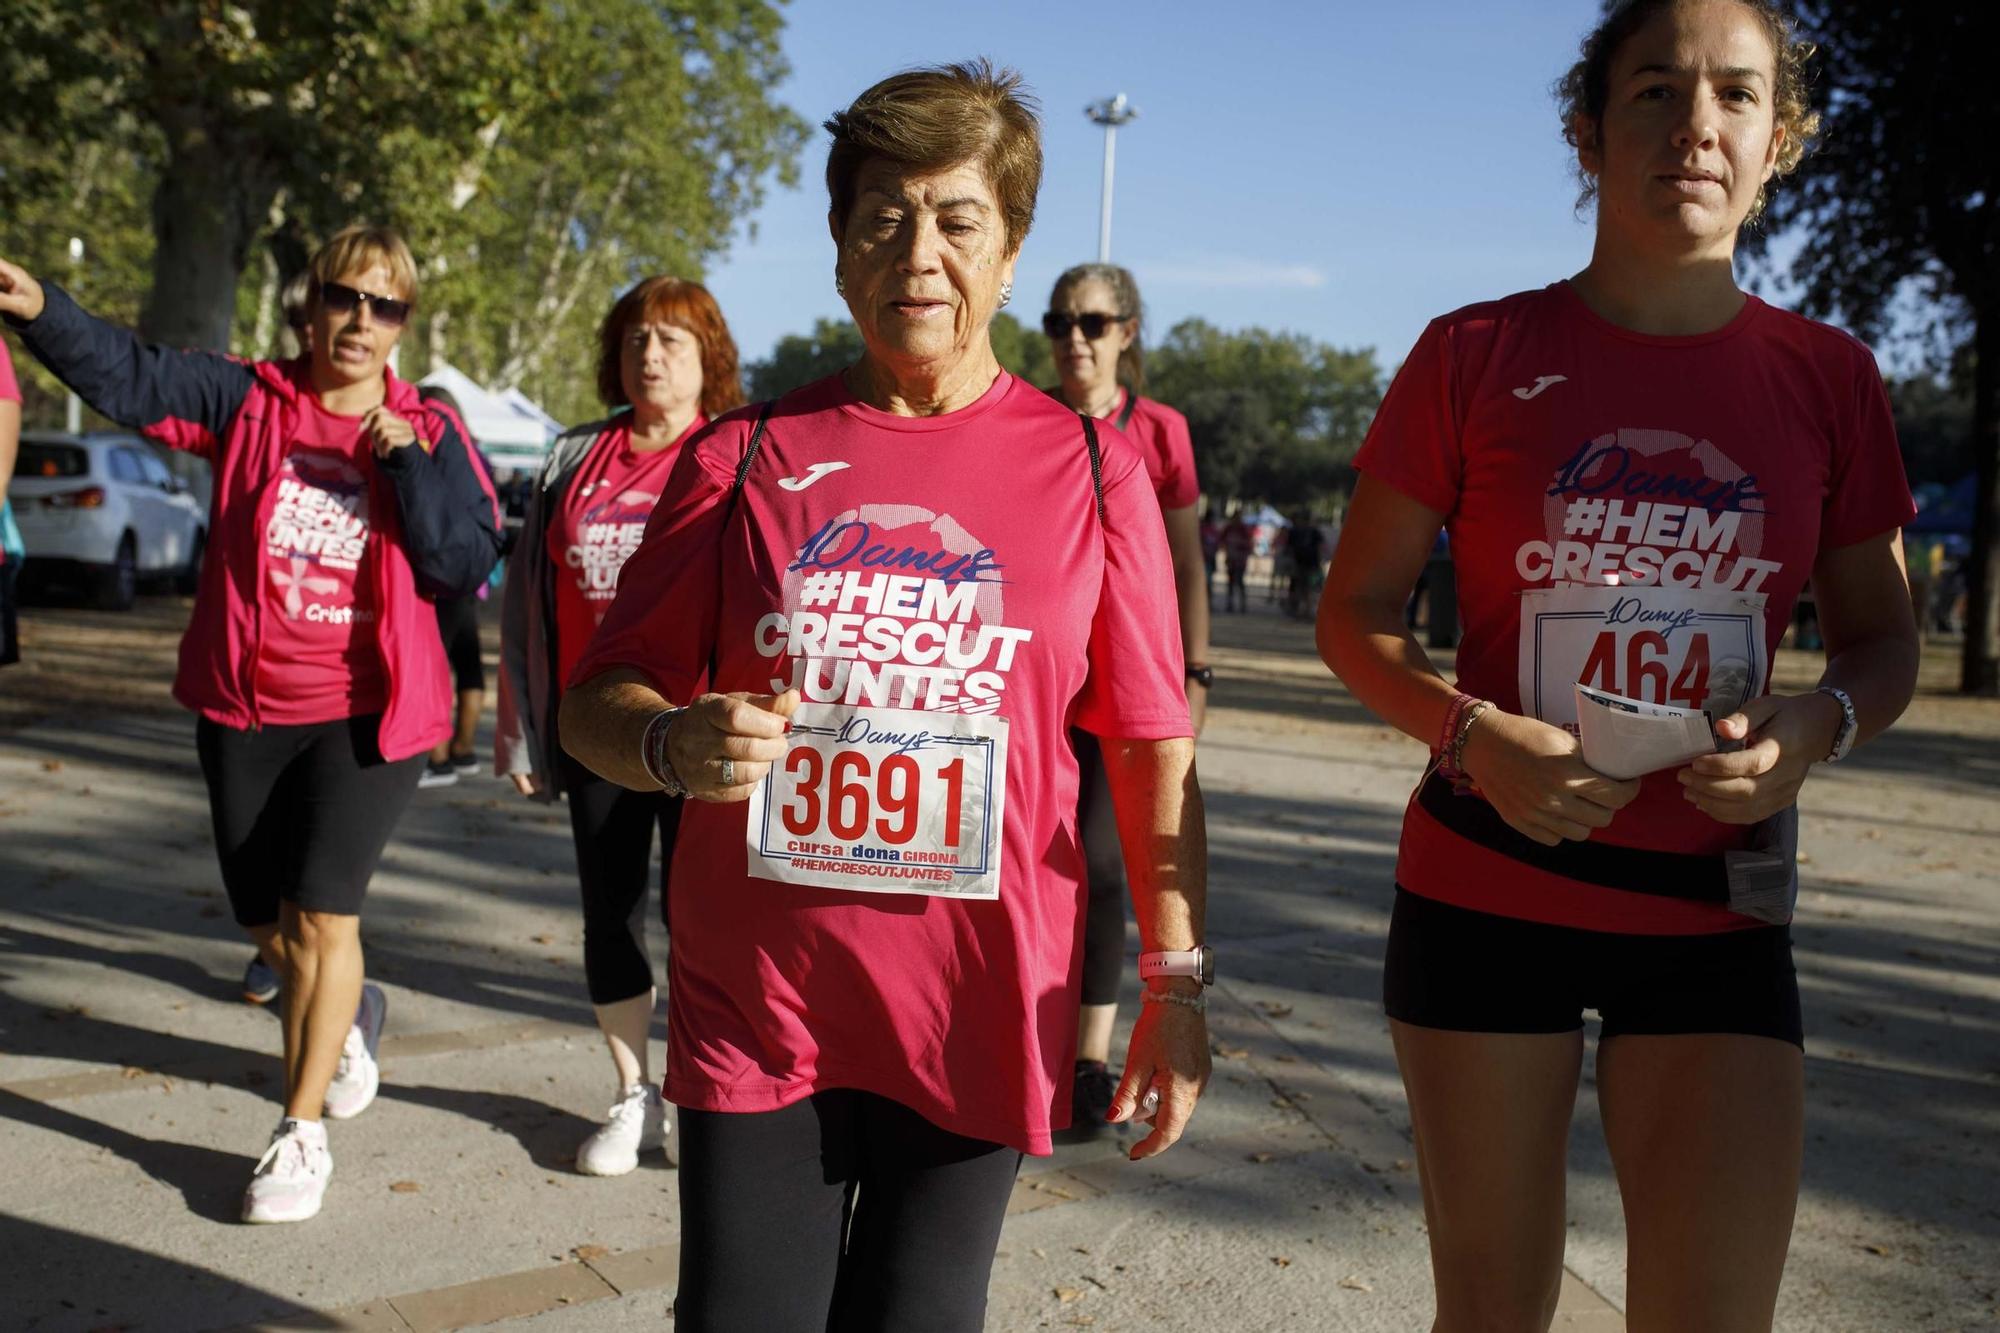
1094 324
341 504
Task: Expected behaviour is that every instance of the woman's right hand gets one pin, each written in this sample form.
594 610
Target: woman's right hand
748 730
20 294
1534 775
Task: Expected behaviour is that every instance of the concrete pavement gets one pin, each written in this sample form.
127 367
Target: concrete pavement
136 1091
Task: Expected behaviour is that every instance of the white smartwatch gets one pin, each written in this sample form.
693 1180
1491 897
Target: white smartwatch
1198 962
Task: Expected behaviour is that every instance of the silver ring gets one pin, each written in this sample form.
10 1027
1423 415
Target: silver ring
1150 1102
728 772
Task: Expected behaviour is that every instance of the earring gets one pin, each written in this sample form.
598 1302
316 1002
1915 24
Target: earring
839 283
1006 292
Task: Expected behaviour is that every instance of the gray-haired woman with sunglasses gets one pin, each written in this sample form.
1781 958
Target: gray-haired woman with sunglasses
341 504
1094 324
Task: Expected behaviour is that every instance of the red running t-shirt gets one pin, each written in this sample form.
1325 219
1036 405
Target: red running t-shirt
597 527
900 910
317 660
1636 513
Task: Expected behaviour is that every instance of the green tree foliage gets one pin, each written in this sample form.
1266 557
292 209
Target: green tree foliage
1274 416
1905 195
835 344
540 154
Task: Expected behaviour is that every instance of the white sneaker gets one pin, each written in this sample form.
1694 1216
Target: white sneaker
291 1176
639 1120
358 1077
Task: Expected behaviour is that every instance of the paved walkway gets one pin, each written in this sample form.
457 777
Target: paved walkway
134 1091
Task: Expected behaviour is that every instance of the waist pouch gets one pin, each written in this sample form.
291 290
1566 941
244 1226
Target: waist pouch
1761 881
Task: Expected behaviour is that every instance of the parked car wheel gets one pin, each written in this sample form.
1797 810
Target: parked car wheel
189 578
118 582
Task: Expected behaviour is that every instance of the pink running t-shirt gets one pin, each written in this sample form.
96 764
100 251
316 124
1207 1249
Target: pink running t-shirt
1636 513
597 527
1161 436
10 388
901 910
317 659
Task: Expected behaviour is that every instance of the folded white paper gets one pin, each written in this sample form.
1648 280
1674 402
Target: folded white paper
1628 738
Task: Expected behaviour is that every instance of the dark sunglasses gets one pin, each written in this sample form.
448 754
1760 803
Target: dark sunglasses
1057 324
342 300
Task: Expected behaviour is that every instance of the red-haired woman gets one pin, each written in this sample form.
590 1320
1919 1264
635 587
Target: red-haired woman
666 362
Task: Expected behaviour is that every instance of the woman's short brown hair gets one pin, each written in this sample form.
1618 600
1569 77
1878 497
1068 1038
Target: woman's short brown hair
931 119
665 300
359 246
1581 94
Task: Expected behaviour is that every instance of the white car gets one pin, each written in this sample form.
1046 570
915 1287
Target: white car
105 507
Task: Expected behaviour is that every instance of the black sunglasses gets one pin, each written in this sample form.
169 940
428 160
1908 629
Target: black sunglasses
1057 324
342 300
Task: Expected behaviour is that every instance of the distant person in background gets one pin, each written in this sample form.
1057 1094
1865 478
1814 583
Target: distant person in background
341 503
666 364
1211 547
11 549
1237 543
1095 326
1303 539
458 627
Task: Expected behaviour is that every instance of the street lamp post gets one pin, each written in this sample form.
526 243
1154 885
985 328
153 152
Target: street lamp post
1110 113
73 409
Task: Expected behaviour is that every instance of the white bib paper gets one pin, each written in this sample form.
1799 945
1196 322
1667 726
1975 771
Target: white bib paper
1685 647
884 800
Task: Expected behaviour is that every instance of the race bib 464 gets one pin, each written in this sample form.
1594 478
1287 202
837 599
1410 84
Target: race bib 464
884 800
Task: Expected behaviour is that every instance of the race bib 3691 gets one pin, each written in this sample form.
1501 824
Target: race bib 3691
884 800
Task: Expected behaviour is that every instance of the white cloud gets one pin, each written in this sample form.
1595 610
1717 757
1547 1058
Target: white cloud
1232 272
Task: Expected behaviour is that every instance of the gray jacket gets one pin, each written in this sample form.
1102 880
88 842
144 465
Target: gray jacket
530 688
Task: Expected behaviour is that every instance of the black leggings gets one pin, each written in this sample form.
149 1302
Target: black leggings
301 814
767 1197
1104 868
612 827
458 626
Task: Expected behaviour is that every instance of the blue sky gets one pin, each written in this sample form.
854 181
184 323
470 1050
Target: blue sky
1343 170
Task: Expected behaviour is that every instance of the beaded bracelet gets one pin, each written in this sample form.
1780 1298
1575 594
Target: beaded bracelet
1198 1003
1456 760
653 752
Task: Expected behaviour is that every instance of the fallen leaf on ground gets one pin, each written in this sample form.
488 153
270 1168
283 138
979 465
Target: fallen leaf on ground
1876 1249
1353 1283
1232 1052
585 1253
132 1071
1068 1294
1274 1009
51 765
405 1187
541 939
1261 1157
1282 1261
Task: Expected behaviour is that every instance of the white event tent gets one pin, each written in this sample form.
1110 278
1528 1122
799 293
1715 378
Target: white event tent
512 430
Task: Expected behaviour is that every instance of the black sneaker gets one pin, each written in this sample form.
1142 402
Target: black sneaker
437 775
465 763
1090 1098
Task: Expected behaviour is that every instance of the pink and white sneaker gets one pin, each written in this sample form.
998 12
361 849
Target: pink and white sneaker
291 1176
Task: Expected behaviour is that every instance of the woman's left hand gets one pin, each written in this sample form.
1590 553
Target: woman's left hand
387 432
1169 1053
1783 735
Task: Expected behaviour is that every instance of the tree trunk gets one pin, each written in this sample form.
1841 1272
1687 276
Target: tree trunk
211 199
1980 671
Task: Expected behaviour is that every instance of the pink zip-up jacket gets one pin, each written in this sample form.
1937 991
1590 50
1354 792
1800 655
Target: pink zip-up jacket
437 535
